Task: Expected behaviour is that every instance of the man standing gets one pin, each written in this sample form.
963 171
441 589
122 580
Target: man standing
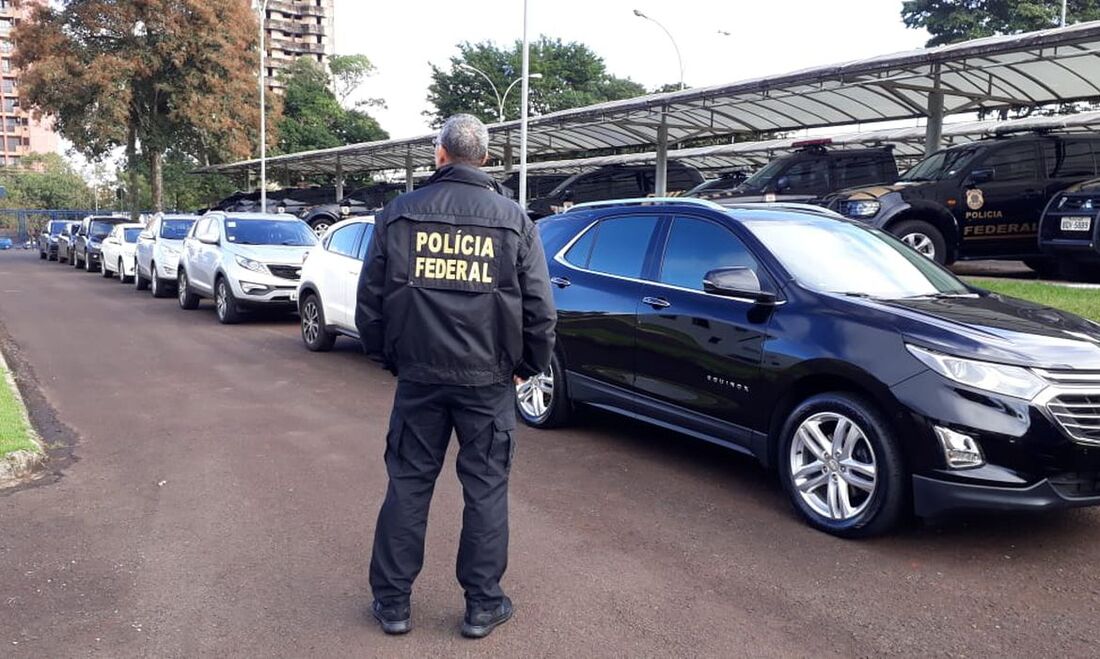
454 298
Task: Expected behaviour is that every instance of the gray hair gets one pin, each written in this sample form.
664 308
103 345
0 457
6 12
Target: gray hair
465 138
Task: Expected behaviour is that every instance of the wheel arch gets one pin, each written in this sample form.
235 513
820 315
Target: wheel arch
935 215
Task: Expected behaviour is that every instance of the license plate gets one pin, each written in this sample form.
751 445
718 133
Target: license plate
1076 223
294 295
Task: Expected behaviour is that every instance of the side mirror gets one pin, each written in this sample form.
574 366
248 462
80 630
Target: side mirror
982 175
783 184
737 282
208 239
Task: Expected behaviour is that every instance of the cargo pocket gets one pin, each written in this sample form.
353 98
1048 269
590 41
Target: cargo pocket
503 448
393 441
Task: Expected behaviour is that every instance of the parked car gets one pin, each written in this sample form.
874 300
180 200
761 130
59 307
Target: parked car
868 375
814 171
362 201
722 185
6 243
538 184
118 251
48 239
243 261
1068 229
66 241
981 200
613 182
330 280
158 250
89 240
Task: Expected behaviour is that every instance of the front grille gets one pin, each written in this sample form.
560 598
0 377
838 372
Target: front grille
1078 414
1077 483
286 271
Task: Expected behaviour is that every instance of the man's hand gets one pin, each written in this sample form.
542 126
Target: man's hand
518 380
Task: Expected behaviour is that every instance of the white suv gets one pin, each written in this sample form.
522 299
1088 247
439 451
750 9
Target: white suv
117 251
158 252
243 260
330 281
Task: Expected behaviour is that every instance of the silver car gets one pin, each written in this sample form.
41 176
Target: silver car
243 261
158 253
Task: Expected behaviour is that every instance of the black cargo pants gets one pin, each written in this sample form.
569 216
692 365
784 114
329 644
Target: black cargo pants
423 417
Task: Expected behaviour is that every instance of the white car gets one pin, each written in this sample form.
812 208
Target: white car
117 251
330 279
158 253
243 261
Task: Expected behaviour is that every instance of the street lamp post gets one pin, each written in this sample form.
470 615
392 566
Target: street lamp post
261 6
639 14
501 99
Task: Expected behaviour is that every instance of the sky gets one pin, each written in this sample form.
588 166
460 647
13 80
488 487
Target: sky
765 37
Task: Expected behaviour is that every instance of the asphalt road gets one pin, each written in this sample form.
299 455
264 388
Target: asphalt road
222 499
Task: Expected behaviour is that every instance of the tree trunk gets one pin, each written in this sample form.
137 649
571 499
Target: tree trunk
156 169
131 165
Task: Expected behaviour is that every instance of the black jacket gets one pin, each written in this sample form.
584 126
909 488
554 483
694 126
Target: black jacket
454 289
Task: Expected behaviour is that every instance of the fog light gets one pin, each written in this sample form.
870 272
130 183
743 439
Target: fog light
961 451
249 287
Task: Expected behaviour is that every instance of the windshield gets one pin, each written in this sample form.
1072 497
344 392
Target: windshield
100 229
175 229
840 257
940 165
760 180
269 232
131 235
57 227
564 185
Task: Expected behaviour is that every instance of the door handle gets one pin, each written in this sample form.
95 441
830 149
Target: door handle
560 282
656 302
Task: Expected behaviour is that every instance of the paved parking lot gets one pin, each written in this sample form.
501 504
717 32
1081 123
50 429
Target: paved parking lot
225 482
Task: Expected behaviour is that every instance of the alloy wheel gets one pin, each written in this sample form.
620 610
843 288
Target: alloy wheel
833 466
183 288
536 395
220 301
311 322
320 228
154 287
920 242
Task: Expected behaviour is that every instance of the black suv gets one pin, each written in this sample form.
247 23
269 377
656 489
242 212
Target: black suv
48 239
813 171
720 186
538 184
869 376
87 244
981 200
613 182
363 201
1068 230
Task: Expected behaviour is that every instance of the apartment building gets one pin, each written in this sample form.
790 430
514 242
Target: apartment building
298 28
20 134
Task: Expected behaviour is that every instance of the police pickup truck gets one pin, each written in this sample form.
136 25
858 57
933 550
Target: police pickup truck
981 200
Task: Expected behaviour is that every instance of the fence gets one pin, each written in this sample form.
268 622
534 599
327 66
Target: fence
28 222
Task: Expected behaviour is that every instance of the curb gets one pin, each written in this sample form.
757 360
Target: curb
20 465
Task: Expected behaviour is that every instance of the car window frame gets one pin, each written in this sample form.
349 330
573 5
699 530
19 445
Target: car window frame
1038 161
354 226
647 261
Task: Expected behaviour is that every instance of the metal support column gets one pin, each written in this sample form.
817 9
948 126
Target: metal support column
933 134
661 187
408 171
508 155
339 179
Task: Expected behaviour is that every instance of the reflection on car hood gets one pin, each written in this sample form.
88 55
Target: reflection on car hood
168 242
272 253
996 328
877 191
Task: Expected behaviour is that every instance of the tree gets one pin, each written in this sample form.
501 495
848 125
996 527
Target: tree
313 117
349 72
46 181
572 76
950 21
154 73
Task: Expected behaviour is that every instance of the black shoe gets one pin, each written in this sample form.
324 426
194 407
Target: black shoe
479 623
393 619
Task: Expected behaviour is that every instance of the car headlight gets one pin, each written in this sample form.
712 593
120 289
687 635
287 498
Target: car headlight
280 210
996 378
862 208
345 210
249 264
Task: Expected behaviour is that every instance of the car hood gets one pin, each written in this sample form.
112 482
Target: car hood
272 253
873 192
992 327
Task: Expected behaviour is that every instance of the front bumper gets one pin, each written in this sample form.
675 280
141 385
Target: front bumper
933 497
254 289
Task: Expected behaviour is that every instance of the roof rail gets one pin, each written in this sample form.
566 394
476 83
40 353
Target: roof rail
641 201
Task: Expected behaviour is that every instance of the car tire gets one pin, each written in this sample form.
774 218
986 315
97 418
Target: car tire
1044 267
73 260
140 283
923 237
315 334
321 224
187 299
122 277
225 305
159 286
543 401
1080 271
871 458
42 255
107 274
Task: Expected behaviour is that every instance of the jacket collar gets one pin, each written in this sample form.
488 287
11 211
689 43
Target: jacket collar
457 173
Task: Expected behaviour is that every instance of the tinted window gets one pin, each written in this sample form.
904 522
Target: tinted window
269 232
578 254
620 245
57 227
857 170
806 177
100 229
345 239
368 231
131 235
1076 159
695 247
1013 162
175 229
